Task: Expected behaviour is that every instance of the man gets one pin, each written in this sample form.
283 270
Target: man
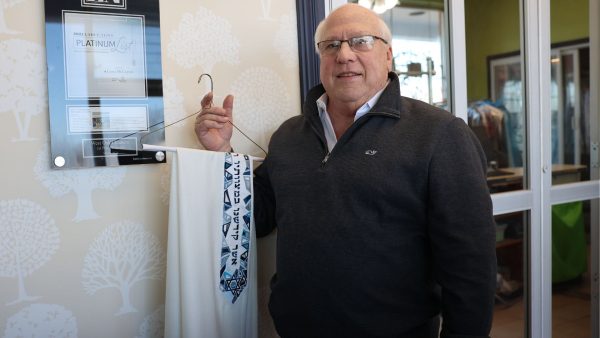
381 204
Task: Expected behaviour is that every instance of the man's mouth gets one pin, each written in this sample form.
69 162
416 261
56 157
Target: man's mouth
348 74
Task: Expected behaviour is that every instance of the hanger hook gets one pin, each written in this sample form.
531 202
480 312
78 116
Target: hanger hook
209 77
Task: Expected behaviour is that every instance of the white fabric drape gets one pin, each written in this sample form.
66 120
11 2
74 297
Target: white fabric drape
195 306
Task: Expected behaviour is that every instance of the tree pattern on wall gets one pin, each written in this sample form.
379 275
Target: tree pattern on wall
29 239
5 4
265 6
285 41
165 184
80 181
123 255
153 325
42 321
23 88
66 263
256 113
173 99
203 39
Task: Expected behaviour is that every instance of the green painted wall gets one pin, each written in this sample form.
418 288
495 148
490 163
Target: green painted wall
492 27
569 20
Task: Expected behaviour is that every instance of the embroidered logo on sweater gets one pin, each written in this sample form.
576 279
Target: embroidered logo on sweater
237 214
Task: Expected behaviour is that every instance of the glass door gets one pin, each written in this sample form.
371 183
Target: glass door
572 219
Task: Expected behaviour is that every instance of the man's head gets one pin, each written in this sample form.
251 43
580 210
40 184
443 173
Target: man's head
352 75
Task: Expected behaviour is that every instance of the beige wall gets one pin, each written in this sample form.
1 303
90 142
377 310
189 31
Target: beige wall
71 216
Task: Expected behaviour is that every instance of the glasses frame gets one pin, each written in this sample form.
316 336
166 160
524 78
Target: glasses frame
351 42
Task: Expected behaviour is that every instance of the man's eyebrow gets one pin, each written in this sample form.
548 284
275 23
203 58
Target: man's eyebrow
349 35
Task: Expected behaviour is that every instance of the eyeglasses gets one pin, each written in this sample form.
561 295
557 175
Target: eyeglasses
358 44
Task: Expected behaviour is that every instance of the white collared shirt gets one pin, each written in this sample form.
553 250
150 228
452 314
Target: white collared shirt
326 120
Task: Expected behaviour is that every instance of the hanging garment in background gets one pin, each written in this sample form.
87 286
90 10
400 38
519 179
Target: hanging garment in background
211 254
489 123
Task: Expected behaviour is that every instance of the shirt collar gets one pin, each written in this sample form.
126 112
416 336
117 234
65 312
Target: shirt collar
326 121
365 108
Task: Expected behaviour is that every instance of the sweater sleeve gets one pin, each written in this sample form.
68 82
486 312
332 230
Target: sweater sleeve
462 232
264 201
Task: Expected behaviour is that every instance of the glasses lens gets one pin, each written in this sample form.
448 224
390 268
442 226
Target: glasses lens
329 46
362 43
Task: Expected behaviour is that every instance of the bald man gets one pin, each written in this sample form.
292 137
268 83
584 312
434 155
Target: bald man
383 216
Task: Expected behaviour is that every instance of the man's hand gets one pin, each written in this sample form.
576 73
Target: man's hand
213 128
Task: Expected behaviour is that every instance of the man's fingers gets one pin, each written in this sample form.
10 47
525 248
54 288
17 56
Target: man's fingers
211 120
214 117
206 100
217 115
208 124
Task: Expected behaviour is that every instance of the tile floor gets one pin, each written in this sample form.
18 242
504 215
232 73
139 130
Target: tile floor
570 313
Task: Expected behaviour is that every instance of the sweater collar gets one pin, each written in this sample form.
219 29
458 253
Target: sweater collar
388 101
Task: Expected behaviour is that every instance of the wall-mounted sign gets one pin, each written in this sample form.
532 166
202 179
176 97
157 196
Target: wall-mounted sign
122 4
104 81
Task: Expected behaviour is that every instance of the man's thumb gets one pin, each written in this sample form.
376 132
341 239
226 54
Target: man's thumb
228 105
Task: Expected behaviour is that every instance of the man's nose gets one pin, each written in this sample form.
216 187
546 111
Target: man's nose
345 53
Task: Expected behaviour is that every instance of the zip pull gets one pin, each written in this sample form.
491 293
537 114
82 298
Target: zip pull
325 159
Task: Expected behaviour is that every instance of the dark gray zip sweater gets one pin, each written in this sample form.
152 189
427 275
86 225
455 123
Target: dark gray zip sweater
389 229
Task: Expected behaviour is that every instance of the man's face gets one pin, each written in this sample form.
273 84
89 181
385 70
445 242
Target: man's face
349 77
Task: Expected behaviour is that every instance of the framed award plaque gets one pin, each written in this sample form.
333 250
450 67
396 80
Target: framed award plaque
104 82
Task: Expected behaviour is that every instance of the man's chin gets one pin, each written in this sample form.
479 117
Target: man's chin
349 97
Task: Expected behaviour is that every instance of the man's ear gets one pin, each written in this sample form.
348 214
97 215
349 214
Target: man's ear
389 58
